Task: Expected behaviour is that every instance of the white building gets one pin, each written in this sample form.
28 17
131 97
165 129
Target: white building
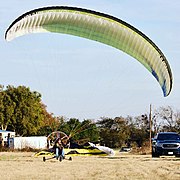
35 142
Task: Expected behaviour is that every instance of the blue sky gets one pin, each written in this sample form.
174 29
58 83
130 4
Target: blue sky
85 79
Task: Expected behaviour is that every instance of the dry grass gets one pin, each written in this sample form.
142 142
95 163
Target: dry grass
22 165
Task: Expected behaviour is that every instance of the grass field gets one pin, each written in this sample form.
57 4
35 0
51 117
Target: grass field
22 165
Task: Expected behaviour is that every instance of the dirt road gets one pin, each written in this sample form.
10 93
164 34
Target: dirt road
122 166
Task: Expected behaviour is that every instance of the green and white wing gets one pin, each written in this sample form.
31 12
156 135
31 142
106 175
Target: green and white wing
98 27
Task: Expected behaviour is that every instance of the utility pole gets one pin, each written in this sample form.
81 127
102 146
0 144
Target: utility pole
150 128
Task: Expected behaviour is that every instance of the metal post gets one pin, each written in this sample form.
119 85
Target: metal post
150 128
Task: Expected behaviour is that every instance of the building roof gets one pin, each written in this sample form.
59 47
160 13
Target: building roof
3 131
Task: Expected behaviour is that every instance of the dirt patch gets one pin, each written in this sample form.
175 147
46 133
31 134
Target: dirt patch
122 166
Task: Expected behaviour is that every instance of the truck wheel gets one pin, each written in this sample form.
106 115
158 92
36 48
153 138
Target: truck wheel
155 154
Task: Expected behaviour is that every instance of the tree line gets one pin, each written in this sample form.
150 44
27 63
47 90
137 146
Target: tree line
22 111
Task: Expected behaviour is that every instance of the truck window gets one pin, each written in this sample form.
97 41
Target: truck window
168 137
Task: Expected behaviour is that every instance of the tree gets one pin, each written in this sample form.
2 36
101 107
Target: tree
70 126
141 130
114 132
167 119
21 110
80 131
7 107
89 131
177 117
50 123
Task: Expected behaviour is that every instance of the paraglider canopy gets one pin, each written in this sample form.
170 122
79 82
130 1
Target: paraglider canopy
99 27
